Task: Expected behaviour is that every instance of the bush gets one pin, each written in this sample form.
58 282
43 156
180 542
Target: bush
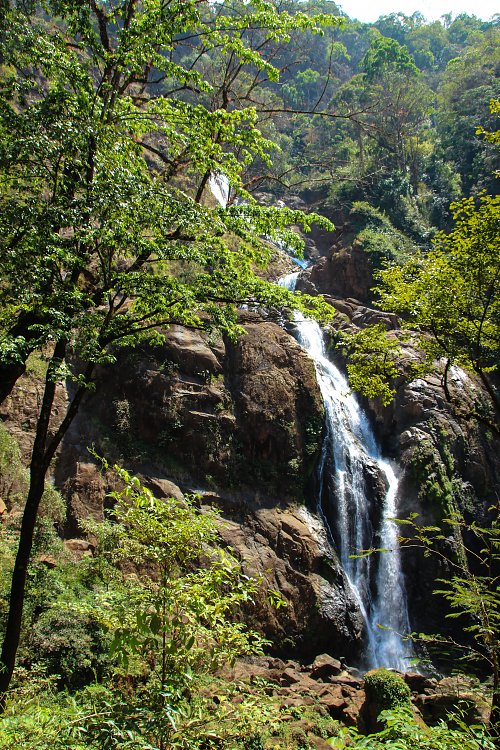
386 690
402 732
71 644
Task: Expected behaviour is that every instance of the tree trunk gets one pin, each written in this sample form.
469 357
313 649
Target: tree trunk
18 586
44 448
11 372
38 470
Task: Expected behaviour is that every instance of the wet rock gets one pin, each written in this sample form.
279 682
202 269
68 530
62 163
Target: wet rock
289 550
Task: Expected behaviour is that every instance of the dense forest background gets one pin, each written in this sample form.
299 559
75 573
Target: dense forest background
398 106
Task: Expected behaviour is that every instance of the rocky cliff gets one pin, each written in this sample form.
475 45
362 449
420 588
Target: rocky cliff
447 458
241 424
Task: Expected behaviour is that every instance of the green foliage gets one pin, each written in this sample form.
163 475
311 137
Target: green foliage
378 237
13 475
385 56
14 481
492 136
472 558
371 361
451 295
99 256
71 644
469 83
108 141
41 720
386 689
177 625
433 468
135 631
403 732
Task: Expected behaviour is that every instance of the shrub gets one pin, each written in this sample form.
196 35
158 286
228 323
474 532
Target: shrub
402 732
386 689
72 645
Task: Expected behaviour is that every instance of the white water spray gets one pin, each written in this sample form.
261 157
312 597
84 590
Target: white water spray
350 470
219 187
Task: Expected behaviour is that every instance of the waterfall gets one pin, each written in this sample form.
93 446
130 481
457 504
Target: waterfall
350 471
219 187
221 190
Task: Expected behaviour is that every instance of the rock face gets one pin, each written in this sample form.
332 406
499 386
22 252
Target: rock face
289 550
448 460
446 457
247 415
346 272
242 425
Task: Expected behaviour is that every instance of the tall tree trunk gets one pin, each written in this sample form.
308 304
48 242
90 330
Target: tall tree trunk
37 483
44 448
18 586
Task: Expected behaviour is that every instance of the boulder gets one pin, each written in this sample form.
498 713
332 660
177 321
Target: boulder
347 272
452 695
325 666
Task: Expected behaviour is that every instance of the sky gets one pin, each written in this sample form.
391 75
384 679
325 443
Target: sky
370 10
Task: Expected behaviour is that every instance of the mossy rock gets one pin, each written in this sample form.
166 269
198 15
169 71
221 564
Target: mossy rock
384 690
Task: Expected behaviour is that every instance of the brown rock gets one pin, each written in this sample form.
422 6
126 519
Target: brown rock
325 666
347 681
418 682
47 560
79 547
318 743
160 487
290 677
85 491
346 273
288 549
190 350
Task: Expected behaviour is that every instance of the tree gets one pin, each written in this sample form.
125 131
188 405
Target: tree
472 557
108 142
177 622
451 296
387 55
469 82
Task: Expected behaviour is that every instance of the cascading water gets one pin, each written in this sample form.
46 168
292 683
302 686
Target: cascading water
219 187
350 468
350 471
